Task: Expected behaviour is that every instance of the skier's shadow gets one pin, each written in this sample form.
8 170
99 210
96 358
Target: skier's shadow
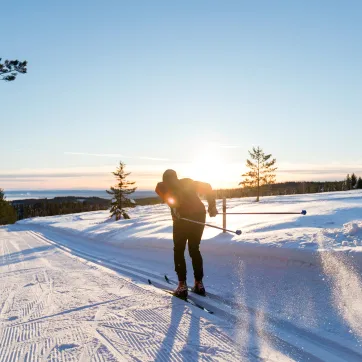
190 351
178 323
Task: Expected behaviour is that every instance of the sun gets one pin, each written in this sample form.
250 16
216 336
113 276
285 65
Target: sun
208 166
211 164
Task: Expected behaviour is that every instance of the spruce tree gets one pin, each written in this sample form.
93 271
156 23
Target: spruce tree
262 170
348 182
119 193
359 183
353 181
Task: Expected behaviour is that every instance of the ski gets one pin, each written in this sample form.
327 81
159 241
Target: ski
187 300
213 297
170 281
189 289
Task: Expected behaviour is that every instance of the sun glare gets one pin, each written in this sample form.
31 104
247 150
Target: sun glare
209 166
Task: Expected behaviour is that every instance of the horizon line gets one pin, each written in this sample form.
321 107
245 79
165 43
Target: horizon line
151 189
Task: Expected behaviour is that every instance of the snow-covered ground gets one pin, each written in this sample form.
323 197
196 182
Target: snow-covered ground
75 287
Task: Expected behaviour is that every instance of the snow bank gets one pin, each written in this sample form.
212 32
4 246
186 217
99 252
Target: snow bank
353 229
333 225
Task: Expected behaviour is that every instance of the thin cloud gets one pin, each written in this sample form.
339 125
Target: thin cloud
49 175
115 155
96 154
23 180
154 159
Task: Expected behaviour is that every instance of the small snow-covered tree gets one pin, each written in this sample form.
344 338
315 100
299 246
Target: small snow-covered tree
348 182
262 170
119 193
11 68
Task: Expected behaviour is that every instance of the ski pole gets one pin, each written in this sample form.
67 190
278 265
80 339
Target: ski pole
304 212
237 232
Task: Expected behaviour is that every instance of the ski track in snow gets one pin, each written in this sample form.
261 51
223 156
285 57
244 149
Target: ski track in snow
55 307
74 287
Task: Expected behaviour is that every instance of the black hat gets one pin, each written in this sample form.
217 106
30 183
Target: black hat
169 175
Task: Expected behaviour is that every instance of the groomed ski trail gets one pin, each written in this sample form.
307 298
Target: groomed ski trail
294 342
56 306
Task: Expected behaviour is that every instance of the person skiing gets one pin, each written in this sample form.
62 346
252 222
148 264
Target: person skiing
182 197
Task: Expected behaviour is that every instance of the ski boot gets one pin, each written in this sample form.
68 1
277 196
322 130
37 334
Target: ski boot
181 290
199 288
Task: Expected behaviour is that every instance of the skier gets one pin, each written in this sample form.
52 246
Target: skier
182 197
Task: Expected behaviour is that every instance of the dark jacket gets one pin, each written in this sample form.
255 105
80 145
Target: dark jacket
185 199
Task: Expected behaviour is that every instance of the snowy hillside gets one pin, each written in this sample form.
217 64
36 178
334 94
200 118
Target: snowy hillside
75 287
333 222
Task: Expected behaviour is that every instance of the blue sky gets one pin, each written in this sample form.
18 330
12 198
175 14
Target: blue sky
192 85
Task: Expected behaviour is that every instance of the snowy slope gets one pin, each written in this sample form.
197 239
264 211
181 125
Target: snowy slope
333 222
288 288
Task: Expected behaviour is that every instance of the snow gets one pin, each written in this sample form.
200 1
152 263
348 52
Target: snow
288 288
330 224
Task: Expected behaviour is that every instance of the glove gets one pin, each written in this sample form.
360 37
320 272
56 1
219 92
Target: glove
175 215
212 210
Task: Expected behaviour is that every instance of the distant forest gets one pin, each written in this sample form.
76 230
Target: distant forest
58 206
67 205
291 188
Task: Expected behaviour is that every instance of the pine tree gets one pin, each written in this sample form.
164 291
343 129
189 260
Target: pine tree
11 68
353 181
119 193
8 213
359 183
261 171
348 182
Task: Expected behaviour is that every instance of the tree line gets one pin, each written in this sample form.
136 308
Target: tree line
292 187
283 188
58 206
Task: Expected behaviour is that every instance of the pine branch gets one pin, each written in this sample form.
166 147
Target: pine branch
251 174
270 163
251 164
272 170
11 68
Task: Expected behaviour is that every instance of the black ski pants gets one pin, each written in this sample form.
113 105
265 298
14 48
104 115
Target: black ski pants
185 231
